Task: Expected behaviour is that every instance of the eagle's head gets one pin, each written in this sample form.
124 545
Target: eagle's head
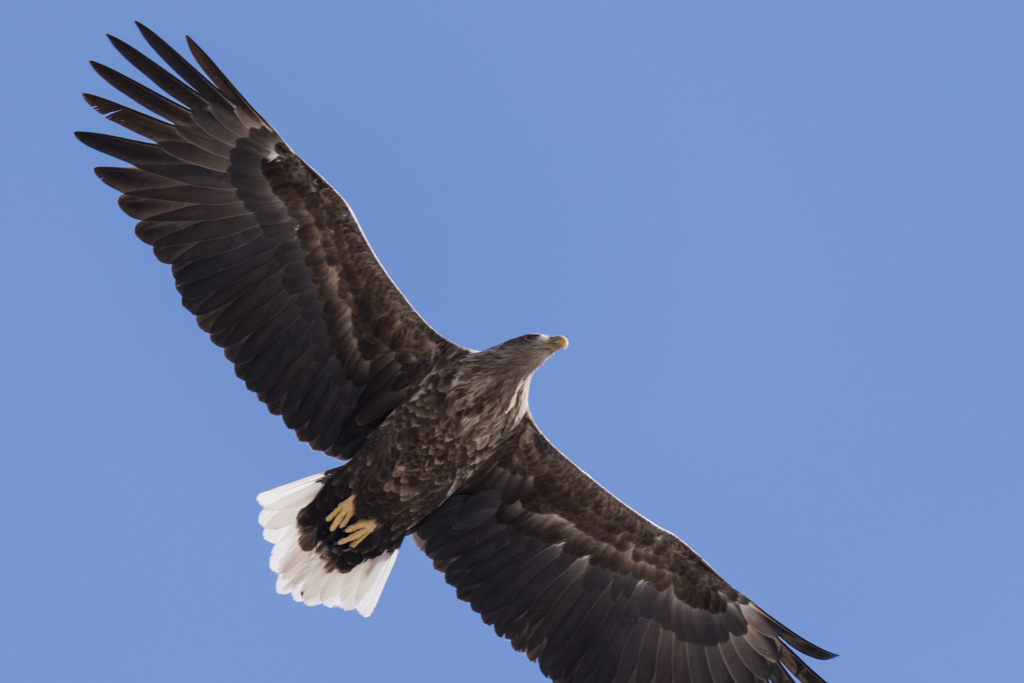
500 376
519 357
529 351
541 342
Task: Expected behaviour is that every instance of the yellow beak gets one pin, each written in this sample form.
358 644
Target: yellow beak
556 342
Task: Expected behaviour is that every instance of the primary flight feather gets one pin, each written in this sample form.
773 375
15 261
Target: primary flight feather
438 438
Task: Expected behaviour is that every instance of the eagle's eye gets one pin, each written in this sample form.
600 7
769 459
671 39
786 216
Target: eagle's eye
532 337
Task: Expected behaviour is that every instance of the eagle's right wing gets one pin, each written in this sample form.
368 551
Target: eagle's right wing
264 252
590 589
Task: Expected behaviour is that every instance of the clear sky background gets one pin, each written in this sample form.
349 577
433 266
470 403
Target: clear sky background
785 240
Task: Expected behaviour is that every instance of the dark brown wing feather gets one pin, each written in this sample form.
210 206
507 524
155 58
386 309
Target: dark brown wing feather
264 252
593 591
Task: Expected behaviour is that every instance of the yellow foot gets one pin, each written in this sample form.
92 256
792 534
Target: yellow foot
358 531
341 514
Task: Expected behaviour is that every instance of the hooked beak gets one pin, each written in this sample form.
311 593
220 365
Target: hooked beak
557 342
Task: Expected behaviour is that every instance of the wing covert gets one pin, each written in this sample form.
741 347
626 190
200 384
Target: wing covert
591 590
264 252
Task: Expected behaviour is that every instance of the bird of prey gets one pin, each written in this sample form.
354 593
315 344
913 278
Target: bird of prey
437 439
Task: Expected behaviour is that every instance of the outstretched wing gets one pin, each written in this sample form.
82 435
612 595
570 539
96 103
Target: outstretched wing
593 591
265 253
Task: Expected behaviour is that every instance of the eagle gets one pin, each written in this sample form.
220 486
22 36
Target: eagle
436 440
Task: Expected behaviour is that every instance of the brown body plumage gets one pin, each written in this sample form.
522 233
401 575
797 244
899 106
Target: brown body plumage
439 439
470 405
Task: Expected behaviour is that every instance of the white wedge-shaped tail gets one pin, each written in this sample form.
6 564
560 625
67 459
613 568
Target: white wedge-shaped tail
304 574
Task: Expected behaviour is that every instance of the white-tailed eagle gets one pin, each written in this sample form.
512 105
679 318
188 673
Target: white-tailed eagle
438 440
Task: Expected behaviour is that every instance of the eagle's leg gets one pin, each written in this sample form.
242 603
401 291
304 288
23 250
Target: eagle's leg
358 531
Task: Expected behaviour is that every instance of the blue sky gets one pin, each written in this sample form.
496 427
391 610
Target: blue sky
784 239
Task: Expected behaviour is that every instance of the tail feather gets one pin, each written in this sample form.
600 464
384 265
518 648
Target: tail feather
305 574
275 498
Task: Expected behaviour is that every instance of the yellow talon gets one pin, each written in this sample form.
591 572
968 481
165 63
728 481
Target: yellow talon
358 532
343 513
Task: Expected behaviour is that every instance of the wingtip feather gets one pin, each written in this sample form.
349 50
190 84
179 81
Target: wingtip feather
807 648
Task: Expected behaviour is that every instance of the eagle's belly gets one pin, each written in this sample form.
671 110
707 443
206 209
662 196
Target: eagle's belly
426 450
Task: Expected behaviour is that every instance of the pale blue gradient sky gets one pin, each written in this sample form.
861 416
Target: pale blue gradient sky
785 240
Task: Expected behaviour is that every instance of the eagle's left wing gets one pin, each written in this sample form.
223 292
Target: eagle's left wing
593 591
266 255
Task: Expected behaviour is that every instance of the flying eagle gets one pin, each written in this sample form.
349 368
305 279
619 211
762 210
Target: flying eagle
437 439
